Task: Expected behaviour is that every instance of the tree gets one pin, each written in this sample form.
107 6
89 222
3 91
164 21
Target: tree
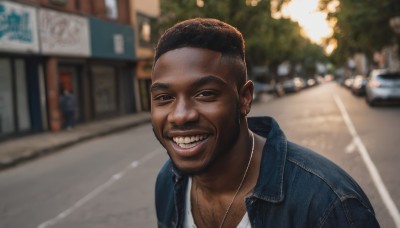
268 41
362 26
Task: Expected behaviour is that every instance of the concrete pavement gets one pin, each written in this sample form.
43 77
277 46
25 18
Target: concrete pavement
15 151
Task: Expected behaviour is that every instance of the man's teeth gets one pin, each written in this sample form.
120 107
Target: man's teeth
188 140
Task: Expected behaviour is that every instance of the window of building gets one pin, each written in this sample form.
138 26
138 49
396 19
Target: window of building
24 122
112 9
146 31
6 98
14 107
104 89
146 35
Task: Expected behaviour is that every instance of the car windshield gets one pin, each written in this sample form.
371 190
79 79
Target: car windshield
390 76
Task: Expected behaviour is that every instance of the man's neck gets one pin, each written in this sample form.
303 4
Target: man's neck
214 192
224 176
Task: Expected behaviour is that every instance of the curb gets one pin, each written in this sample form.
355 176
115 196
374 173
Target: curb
6 163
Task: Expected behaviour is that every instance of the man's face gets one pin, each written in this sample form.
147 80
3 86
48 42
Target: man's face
195 107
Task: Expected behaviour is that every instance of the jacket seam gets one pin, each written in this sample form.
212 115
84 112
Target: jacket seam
346 212
330 209
327 212
301 165
341 197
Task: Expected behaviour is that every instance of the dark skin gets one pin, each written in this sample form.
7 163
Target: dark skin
195 96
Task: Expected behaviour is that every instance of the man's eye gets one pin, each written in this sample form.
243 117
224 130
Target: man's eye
205 94
163 97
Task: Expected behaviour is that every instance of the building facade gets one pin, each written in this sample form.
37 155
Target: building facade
49 46
144 16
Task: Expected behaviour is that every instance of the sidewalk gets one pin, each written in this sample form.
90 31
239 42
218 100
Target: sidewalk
15 151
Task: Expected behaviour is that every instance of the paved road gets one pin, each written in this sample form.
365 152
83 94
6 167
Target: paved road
108 181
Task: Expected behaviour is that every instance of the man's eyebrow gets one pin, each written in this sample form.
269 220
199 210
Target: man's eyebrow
198 83
208 79
159 85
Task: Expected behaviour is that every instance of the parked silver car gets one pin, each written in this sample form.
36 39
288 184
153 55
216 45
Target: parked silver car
383 86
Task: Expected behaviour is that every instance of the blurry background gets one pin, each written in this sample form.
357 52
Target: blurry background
326 69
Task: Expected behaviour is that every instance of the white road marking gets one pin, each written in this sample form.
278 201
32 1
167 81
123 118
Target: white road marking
384 193
351 147
134 164
98 190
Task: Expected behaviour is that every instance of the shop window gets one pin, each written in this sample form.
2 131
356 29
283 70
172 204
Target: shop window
21 96
6 98
14 106
112 9
105 89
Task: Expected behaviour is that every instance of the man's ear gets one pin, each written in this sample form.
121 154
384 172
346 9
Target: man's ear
246 97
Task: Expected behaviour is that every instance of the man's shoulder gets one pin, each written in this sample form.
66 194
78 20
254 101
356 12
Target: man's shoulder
314 181
314 169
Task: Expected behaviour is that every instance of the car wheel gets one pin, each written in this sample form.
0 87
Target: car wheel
370 102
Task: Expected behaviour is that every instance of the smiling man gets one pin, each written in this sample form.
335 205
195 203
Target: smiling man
227 170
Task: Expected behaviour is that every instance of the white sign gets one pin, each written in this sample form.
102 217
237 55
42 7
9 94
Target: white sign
63 34
118 44
18 28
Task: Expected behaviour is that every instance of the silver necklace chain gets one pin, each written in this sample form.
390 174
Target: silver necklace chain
237 190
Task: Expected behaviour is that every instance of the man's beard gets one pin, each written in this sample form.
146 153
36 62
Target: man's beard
215 156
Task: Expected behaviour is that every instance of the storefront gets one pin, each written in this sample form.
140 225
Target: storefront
104 89
20 104
65 45
112 68
45 52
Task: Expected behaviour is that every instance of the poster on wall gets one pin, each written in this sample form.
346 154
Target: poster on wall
63 34
18 28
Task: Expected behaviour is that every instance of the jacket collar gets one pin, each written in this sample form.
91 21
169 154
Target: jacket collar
269 185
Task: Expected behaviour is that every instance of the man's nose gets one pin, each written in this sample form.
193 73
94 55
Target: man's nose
183 112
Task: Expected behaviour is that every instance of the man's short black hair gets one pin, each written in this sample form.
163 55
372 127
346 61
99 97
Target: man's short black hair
202 33
209 34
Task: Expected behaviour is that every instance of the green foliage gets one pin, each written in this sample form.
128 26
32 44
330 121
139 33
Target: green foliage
268 41
362 26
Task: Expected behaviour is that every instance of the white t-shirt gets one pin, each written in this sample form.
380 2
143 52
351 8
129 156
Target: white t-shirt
189 221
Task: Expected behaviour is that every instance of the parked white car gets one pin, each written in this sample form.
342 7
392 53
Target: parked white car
383 86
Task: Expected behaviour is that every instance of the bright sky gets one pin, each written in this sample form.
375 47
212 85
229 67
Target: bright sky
313 22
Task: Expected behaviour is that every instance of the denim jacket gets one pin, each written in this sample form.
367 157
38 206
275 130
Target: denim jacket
296 187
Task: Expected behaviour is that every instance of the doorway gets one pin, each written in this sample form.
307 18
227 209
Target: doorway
69 79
